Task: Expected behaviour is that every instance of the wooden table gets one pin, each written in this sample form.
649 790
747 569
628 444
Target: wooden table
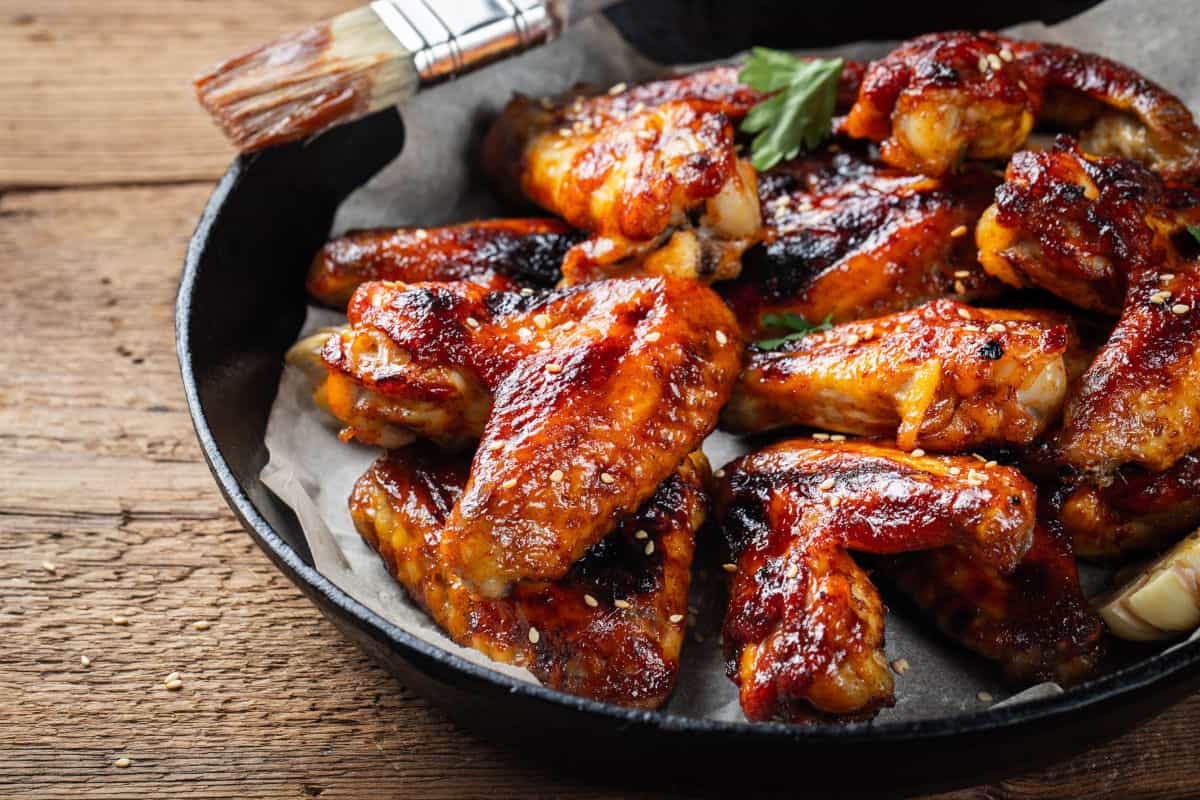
107 510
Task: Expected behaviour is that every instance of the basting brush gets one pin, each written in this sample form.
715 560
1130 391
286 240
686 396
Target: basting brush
368 59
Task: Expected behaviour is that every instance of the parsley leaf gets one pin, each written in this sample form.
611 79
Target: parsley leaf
1194 230
798 325
800 115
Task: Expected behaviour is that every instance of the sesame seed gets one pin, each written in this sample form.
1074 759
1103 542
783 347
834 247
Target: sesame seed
1167 276
985 697
1160 297
649 548
983 64
556 476
990 463
827 484
821 437
543 345
653 336
729 567
719 473
508 484
607 478
173 686
566 326
955 470
526 292
554 369
201 625
792 571
422 234
534 635
621 603
1006 54
961 230
979 458
900 666
721 338
960 287
641 535
964 314
837 437
122 762
962 273
120 620
917 453
472 322
49 567
852 340
590 601
1180 308
1022 85
995 327
496 446
172 676
638 107
676 618
994 62
541 320
617 88
564 132
85 661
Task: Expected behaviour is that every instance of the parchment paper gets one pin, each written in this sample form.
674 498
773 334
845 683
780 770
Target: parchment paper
433 182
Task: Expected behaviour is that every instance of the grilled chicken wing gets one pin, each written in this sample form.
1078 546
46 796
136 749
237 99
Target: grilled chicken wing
804 628
651 173
1105 233
1035 621
610 629
584 400
943 376
945 97
850 238
1138 511
498 254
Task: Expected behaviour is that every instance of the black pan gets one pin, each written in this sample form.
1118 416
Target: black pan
240 305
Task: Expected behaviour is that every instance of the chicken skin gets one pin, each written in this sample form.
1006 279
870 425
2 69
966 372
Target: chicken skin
610 629
804 630
498 254
659 186
1138 511
1035 621
583 401
848 237
1105 233
944 376
943 98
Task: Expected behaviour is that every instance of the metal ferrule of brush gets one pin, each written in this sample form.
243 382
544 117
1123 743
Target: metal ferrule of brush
449 38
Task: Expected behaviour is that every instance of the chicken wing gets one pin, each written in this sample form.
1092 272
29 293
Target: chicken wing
945 97
944 376
849 238
1035 622
1106 233
1138 511
584 400
659 186
498 254
610 629
804 628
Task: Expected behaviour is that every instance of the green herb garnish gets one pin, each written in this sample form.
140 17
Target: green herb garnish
1194 230
798 325
800 115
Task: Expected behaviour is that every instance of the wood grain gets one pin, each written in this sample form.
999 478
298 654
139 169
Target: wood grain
100 475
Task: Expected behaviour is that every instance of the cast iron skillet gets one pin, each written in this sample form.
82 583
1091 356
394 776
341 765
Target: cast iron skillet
240 305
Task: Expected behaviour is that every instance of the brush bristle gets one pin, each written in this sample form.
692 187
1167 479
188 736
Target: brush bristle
301 85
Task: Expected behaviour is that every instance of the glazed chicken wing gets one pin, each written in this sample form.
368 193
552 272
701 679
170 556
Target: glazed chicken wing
1138 511
944 376
610 629
583 400
945 97
498 254
1035 621
849 238
1105 233
804 630
659 186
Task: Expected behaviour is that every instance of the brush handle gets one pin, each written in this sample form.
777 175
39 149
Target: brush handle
449 38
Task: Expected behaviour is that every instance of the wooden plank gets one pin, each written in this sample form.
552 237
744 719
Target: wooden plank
100 474
101 92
